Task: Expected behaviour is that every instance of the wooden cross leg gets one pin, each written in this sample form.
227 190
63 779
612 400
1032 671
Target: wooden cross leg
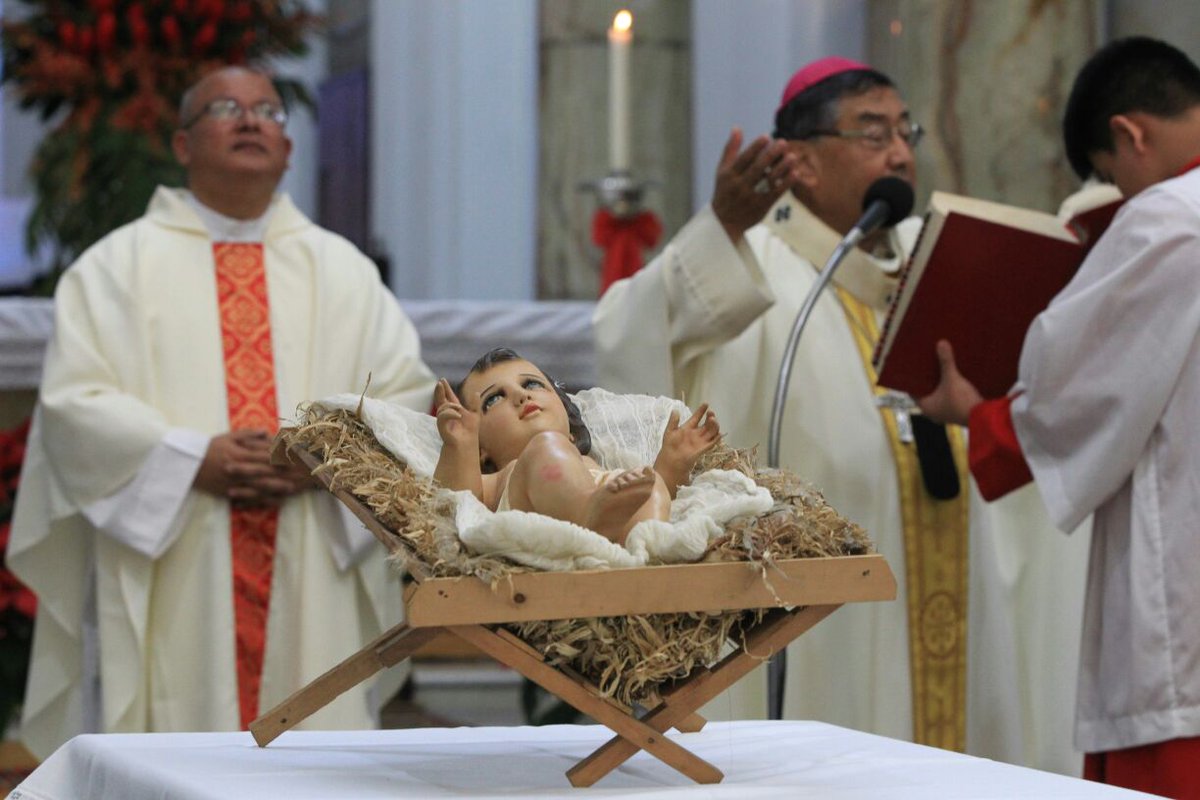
676 709
391 647
506 648
770 636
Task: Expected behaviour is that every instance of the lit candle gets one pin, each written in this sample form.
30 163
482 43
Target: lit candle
620 36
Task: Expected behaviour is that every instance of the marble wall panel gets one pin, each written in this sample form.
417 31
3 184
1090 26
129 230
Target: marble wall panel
1174 21
988 80
573 128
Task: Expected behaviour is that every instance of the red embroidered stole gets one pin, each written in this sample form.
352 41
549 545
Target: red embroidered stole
250 386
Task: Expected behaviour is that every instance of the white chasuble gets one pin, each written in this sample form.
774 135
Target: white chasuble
137 352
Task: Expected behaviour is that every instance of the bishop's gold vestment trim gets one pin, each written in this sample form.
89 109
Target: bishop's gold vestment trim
936 550
935 531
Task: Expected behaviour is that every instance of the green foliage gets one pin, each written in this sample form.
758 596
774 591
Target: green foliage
108 75
120 171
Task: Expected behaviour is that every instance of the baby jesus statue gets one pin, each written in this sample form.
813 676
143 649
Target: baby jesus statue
513 438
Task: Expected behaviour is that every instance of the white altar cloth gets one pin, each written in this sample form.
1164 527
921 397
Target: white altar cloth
760 760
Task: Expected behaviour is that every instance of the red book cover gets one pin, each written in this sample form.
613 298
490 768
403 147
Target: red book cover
978 276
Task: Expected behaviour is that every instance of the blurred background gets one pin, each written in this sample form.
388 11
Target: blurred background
452 141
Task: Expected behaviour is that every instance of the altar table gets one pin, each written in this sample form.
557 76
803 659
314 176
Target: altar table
785 759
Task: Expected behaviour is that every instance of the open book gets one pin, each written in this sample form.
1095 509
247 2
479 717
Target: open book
980 273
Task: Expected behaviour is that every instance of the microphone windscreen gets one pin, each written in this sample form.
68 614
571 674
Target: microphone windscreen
897 193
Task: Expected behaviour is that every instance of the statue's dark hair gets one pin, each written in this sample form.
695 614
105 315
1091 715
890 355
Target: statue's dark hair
816 108
579 432
1131 74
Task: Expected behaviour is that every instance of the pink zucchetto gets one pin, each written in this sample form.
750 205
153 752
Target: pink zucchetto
817 71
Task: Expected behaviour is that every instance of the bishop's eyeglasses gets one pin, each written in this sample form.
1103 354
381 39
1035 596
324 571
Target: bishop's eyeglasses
226 108
876 135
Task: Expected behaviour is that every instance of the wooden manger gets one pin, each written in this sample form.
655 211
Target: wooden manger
799 593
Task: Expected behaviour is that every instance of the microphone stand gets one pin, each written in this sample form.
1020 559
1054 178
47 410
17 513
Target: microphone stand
777 665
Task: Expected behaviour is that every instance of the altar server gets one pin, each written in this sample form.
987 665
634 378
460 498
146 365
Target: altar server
1104 417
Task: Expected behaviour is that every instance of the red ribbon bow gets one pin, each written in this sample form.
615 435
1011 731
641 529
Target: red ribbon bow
623 240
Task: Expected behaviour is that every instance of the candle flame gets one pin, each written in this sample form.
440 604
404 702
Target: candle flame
623 21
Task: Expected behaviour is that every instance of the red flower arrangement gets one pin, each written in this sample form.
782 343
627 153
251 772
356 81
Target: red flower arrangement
17 604
111 73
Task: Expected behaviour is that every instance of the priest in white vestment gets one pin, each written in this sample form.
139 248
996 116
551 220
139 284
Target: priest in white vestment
127 523
977 652
1103 417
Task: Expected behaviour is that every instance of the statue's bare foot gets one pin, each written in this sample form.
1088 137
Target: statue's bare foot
612 505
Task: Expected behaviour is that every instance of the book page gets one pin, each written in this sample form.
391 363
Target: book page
1089 211
1012 216
1090 196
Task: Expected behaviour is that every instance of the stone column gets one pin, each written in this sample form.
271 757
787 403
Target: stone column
573 128
989 81
1173 21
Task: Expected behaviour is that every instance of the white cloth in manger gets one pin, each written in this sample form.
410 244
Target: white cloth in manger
626 433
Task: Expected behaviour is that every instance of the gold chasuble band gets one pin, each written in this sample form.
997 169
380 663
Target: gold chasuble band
935 567
250 386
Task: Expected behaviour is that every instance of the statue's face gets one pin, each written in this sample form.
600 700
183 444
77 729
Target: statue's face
515 401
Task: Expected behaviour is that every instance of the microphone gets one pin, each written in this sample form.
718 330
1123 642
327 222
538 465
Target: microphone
887 201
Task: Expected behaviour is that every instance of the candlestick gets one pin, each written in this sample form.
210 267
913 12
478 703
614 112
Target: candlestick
620 36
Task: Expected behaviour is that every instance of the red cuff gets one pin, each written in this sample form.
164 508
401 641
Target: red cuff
994 454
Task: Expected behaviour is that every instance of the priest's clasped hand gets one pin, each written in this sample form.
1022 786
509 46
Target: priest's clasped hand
237 465
954 396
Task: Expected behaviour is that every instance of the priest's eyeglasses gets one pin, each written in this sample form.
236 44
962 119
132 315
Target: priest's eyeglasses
877 135
226 108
